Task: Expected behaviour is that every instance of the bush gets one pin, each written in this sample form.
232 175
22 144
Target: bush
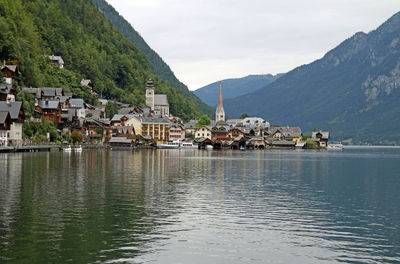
76 136
311 144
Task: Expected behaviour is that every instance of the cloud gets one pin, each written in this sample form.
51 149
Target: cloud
207 40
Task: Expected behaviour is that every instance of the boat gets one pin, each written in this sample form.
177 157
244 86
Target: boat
338 146
169 145
209 147
187 145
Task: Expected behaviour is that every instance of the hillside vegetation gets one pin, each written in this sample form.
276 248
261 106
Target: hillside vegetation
90 46
160 68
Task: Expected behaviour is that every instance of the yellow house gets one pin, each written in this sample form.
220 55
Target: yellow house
288 134
203 132
156 127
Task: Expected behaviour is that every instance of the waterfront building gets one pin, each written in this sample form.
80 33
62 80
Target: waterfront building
257 142
155 127
5 123
203 132
176 132
158 103
321 138
17 115
219 132
234 133
219 112
286 133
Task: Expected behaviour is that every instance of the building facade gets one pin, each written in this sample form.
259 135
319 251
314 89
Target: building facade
158 103
203 132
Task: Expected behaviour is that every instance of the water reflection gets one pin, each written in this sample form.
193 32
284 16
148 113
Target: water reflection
190 206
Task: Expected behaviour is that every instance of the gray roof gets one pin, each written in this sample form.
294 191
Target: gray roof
76 103
3 116
154 120
48 104
51 91
99 121
13 108
94 113
126 110
147 137
256 139
56 58
85 82
120 140
160 99
282 142
34 91
118 117
289 132
325 135
61 99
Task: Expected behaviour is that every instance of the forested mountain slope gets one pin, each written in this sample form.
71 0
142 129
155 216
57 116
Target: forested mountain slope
90 46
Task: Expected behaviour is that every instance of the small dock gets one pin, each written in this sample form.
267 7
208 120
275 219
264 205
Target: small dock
33 148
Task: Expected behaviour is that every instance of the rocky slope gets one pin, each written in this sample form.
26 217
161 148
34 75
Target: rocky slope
353 91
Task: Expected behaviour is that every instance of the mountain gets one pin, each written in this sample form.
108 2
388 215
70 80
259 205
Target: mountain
160 68
234 87
90 47
353 91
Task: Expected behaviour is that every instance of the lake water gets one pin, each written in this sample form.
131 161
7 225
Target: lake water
191 206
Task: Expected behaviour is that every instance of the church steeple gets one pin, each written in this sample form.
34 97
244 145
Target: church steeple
219 112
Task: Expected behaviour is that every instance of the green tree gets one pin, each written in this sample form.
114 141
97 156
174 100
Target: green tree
203 121
243 116
111 109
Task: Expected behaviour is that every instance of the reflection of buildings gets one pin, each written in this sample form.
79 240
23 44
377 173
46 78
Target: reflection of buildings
10 187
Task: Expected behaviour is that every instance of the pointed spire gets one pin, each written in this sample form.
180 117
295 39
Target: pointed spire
220 95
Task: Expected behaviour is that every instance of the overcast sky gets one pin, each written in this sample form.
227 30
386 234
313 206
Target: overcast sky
204 41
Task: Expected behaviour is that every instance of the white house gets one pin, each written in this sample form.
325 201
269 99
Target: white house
17 114
203 132
79 106
255 122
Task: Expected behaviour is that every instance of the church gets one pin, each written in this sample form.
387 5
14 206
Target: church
158 103
219 112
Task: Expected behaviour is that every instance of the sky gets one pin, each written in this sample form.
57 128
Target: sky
204 41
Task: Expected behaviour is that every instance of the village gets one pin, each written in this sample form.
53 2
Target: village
79 123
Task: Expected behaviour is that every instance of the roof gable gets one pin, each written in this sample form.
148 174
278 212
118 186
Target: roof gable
13 108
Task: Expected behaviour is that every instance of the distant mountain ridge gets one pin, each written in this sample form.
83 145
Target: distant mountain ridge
160 68
353 91
234 87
